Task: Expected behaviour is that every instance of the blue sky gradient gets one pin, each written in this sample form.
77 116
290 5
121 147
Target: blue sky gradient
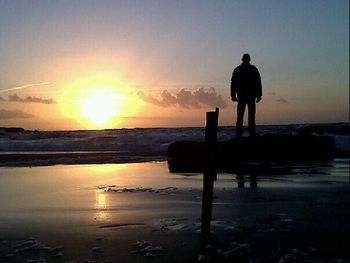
300 47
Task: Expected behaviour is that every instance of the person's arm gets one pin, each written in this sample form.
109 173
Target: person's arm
259 86
233 87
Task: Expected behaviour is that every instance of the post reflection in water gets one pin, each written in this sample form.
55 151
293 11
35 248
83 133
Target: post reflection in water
253 183
101 206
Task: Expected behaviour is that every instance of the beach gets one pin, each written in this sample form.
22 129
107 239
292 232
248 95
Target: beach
174 131
139 212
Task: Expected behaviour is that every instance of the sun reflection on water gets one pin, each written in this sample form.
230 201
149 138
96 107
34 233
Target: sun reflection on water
102 213
101 200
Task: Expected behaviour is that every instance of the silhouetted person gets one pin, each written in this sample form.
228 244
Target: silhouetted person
246 89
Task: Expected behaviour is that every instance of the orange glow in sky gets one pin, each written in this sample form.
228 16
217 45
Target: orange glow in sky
98 102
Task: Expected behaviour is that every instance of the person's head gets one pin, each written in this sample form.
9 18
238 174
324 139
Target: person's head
246 58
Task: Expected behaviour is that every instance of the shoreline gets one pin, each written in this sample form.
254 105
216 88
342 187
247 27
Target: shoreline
95 158
30 159
323 126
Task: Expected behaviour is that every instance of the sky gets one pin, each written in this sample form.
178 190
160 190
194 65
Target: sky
68 65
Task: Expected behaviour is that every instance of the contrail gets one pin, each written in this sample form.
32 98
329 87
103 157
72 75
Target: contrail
26 86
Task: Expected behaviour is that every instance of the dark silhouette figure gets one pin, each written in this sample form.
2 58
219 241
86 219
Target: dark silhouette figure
246 89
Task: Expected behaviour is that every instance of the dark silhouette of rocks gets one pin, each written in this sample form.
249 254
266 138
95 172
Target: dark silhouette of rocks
324 129
11 129
250 154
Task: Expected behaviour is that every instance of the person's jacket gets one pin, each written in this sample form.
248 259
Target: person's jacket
246 82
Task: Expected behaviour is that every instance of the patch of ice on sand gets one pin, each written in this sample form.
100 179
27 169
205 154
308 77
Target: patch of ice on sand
173 224
57 255
39 260
116 189
30 245
202 257
33 245
97 250
147 249
236 248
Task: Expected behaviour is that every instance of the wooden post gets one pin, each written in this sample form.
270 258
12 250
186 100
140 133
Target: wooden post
209 175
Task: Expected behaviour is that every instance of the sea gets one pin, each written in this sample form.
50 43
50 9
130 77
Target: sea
39 148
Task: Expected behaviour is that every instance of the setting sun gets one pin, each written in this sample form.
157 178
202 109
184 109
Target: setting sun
98 102
101 106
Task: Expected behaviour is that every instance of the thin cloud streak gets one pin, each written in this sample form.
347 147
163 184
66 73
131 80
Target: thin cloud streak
30 99
25 86
178 85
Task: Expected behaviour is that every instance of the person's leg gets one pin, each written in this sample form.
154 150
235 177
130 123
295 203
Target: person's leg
251 117
240 118
240 180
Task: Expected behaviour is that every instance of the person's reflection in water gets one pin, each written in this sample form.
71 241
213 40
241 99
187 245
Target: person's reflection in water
253 183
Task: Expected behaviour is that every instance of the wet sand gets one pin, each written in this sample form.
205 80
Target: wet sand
142 213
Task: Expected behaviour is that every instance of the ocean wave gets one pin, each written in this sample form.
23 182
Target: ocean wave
134 145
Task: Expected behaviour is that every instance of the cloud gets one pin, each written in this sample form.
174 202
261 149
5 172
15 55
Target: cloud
187 99
14 114
30 99
197 99
150 99
282 100
26 86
